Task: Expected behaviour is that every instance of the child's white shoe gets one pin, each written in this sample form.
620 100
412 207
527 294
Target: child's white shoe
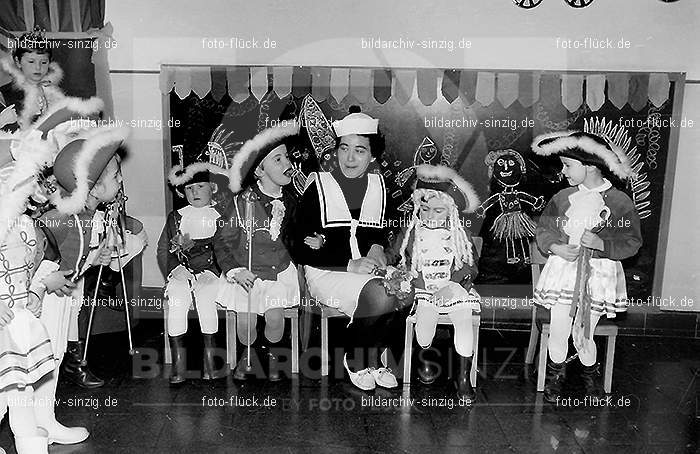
384 377
37 444
363 379
62 435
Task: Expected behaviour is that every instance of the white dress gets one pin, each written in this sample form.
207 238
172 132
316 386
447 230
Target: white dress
606 283
25 349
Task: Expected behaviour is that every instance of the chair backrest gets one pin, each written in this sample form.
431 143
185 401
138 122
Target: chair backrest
537 260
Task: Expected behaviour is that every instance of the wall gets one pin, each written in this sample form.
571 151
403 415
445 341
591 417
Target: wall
661 37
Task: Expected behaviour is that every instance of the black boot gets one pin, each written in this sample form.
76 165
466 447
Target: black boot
177 350
242 369
556 373
465 390
75 370
210 371
273 373
591 380
426 374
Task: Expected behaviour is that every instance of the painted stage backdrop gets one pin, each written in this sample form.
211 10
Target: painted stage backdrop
480 123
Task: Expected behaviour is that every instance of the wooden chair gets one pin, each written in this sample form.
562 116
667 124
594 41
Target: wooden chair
231 353
541 327
443 319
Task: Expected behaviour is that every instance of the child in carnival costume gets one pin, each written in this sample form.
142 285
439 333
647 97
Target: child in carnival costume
35 79
88 177
438 250
26 356
586 230
186 259
260 172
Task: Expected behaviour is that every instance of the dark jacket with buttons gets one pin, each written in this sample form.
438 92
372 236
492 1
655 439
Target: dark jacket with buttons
198 259
63 234
269 257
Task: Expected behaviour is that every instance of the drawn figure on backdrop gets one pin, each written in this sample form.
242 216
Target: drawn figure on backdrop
512 225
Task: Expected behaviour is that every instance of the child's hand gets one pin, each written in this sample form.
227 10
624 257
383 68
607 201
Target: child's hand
314 242
34 304
568 252
58 283
244 278
104 257
443 295
591 241
180 273
6 314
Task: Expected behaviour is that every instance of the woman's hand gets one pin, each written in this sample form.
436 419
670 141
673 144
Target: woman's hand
568 252
591 241
376 252
8 116
315 242
6 314
58 283
180 273
243 277
363 265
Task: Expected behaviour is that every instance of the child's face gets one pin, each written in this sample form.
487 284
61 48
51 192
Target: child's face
433 212
109 183
573 170
34 66
354 155
276 167
199 194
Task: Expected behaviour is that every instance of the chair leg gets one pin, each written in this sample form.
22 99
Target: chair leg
231 338
295 345
166 352
541 369
532 344
609 361
324 346
475 355
407 352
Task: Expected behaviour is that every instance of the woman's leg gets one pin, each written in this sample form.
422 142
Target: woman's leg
372 319
274 324
559 332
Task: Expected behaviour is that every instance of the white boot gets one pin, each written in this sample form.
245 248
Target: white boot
44 410
37 444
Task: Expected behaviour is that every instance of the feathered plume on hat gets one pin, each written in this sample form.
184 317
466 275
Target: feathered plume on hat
445 179
19 180
193 173
255 150
68 109
586 147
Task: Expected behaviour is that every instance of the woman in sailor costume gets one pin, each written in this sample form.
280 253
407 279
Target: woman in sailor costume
593 217
342 231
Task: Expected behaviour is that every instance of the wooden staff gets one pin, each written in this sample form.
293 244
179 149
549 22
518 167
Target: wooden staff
250 221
